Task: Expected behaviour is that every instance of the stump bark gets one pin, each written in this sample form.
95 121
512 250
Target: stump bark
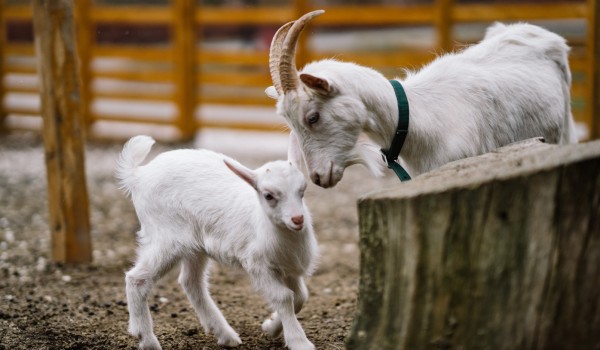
500 251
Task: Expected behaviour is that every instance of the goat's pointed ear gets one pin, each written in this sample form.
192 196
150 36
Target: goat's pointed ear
244 173
295 155
272 92
320 85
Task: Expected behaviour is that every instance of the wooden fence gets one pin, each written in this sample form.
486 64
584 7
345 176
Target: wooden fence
185 72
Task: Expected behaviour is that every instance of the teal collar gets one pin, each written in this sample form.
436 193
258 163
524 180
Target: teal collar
390 156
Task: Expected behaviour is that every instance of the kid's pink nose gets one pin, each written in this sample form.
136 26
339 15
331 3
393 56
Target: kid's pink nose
298 220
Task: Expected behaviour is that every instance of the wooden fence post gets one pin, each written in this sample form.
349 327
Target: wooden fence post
184 27
85 39
2 55
593 54
443 24
63 139
302 49
499 251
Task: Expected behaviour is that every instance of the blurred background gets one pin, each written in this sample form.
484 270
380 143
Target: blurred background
175 68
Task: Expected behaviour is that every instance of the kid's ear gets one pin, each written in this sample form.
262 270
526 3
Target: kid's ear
319 85
244 173
272 92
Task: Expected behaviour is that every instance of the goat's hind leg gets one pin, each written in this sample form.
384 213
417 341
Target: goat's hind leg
194 280
140 280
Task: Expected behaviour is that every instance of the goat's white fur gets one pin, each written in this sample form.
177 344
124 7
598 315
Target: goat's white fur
196 204
513 85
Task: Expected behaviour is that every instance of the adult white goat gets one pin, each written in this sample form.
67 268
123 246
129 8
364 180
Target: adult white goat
196 204
513 85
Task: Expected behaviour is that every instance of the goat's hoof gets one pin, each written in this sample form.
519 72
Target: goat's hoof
300 345
134 331
229 340
271 328
150 343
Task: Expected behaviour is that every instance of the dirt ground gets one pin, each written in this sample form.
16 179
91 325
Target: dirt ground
46 305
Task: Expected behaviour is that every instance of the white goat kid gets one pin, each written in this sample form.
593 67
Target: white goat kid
513 85
196 204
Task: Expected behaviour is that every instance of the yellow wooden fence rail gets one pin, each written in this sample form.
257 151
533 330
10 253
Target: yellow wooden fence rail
190 75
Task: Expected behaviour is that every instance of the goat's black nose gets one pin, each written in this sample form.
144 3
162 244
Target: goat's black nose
316 179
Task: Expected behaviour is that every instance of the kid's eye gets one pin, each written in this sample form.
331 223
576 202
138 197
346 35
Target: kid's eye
268 196
313 118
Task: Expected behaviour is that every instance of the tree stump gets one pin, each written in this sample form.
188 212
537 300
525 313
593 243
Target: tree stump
500 251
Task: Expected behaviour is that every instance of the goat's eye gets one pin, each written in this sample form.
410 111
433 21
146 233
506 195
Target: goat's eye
313 118
269 197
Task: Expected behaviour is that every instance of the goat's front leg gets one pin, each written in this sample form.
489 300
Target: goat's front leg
194 280
281 298
272 326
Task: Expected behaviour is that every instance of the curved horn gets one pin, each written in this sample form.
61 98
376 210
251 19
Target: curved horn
275 55
287 65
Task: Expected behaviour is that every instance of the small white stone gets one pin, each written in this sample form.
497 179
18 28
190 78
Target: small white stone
41 264
9 235
110 254
327 290
163 300
123 250
66 278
